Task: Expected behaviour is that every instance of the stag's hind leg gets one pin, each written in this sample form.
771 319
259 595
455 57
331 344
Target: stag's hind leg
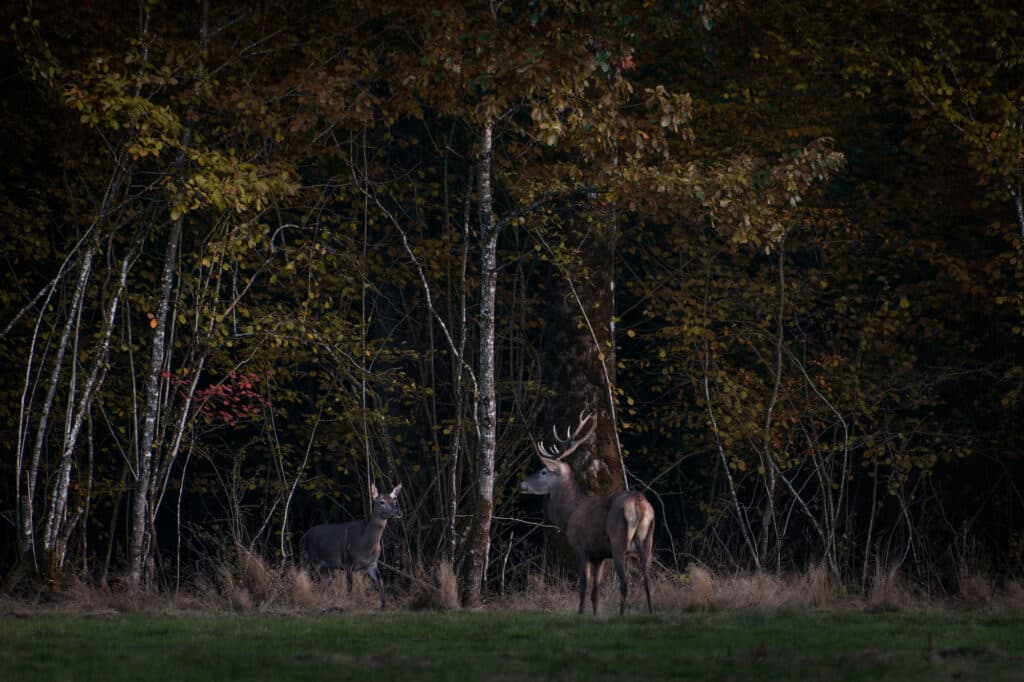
619 557
620 571
646 550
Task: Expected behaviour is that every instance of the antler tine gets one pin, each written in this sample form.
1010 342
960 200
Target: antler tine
576 444
554 432
582 422
570 432
571 440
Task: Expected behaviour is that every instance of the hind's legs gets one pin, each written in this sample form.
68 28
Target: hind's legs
374 574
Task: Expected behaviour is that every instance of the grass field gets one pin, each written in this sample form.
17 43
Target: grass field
749 645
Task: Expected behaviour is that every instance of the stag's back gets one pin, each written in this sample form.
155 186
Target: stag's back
596 521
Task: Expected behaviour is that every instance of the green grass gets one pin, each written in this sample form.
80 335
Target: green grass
480 646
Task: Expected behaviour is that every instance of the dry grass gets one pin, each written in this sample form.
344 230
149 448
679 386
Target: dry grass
541 594
448 586
701 589
247 584
1015 595
250 584
888 590
439 592
977 591
303 589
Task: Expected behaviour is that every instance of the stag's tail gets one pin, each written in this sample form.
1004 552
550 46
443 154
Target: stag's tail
639 517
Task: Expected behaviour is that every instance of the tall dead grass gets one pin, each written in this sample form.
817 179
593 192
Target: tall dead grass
701 589
439 592
253 585
249 584
888 590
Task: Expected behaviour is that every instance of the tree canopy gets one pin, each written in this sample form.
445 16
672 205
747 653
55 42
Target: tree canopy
261 254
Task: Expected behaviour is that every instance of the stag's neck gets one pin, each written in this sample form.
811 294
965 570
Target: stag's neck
563 500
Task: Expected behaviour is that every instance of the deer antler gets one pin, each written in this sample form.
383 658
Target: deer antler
572 438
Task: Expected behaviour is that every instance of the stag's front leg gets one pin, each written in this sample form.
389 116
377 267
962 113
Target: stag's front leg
598 575
584 564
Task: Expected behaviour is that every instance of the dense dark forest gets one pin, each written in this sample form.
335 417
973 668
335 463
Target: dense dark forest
257 255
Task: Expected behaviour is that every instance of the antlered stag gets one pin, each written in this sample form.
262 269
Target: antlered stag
598 527
354 546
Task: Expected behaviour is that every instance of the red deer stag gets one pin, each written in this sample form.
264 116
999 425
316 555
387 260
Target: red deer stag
598 527
354 546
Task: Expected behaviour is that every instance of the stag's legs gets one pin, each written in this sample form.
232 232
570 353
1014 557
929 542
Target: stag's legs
645 566
348 578
620 571
585 577
597 575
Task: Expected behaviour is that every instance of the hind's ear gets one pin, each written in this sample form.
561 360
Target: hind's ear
398 489
373 490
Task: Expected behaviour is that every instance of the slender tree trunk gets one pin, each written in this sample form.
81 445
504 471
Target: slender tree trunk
480 533
57 514
767 461
157 359
137 553
27 513
459 367
1018 204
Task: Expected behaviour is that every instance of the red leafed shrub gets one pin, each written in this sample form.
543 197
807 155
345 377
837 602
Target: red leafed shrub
230 401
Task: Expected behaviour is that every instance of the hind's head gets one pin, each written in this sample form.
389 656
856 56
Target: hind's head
385 506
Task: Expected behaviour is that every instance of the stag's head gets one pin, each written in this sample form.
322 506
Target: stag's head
547 478
385 506
555 469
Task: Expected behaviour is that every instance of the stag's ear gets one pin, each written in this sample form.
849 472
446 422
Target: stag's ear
373 490
398 489
550 464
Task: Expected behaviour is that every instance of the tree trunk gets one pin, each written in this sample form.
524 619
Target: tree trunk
140 514
480 533
139 522
57 515
27 511
581 353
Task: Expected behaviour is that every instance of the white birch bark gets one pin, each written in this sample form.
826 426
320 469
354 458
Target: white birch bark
57 514
480 535
152 406
27 513
137 552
